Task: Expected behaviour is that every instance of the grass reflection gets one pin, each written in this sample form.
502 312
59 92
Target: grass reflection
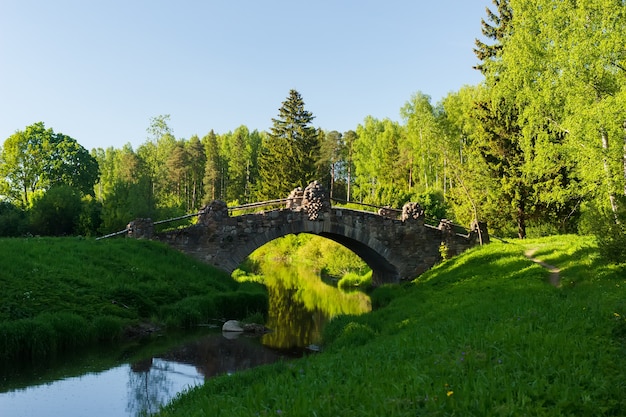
301 304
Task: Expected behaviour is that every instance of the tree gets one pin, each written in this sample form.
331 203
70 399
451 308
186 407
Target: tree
497 27
177 171
290 151
155 153
332 151
562 68
239 163
380 175
499 142
349 139
197 163
37 159
22 163
71 164
464 187
212 170
421 152
125 189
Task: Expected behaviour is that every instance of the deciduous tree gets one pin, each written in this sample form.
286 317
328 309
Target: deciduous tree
37 159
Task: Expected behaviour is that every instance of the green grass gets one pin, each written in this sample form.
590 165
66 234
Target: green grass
61 294
483 334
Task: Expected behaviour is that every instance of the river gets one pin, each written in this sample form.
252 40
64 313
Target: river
138 378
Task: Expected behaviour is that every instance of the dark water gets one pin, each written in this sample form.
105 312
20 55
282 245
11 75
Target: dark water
118 384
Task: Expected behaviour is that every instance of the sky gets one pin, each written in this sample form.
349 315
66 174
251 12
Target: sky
100 71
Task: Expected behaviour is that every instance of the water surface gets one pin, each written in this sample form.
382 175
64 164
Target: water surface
139 378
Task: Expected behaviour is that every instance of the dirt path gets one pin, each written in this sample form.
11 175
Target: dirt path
555 277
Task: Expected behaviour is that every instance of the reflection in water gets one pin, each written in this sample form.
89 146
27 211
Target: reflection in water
292 324
300 304
148 385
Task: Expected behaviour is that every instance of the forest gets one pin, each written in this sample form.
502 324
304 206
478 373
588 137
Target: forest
537 148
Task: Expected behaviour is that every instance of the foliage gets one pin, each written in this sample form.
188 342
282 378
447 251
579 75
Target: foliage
289 152
611 236
481 334
56 213
37 159
13 220
355 280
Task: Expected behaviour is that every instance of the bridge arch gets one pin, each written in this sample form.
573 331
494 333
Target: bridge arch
394 249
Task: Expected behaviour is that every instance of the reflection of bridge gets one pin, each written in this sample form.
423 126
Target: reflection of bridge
394 248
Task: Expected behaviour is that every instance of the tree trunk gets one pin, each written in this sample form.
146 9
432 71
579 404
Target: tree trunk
624 157
607 172
332 180
521 213
521 221
349 179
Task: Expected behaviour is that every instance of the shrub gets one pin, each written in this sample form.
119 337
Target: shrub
13 221
352 335
56 212
353 279
383 295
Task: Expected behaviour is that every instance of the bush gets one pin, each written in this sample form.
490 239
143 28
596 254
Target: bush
13 221
56 212
612 243
383 295
610 236
353 279
352 335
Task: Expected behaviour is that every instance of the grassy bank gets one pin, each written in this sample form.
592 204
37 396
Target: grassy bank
481 334
61 294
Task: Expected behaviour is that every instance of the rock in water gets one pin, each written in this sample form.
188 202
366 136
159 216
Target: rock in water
232 326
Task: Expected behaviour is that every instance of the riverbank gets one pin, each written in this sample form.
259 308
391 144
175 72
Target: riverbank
67 294
481 334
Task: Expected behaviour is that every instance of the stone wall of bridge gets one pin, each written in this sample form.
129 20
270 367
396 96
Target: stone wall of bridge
395 249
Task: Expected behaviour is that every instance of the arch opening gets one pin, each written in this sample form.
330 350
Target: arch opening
383 271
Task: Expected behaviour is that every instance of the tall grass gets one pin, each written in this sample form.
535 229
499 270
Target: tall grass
62 294
483 334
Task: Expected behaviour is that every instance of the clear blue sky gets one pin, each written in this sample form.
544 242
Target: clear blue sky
99 71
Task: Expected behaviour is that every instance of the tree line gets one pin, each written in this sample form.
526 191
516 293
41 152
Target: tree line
538 147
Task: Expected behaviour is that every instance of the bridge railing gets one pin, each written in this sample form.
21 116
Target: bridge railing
260 204
428 220
231 209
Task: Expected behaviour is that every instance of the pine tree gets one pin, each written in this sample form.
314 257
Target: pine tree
496 28
211 179
290 151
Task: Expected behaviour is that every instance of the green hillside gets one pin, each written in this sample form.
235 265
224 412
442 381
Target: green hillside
61 294
484 334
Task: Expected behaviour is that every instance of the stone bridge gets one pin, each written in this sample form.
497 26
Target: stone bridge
395 248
